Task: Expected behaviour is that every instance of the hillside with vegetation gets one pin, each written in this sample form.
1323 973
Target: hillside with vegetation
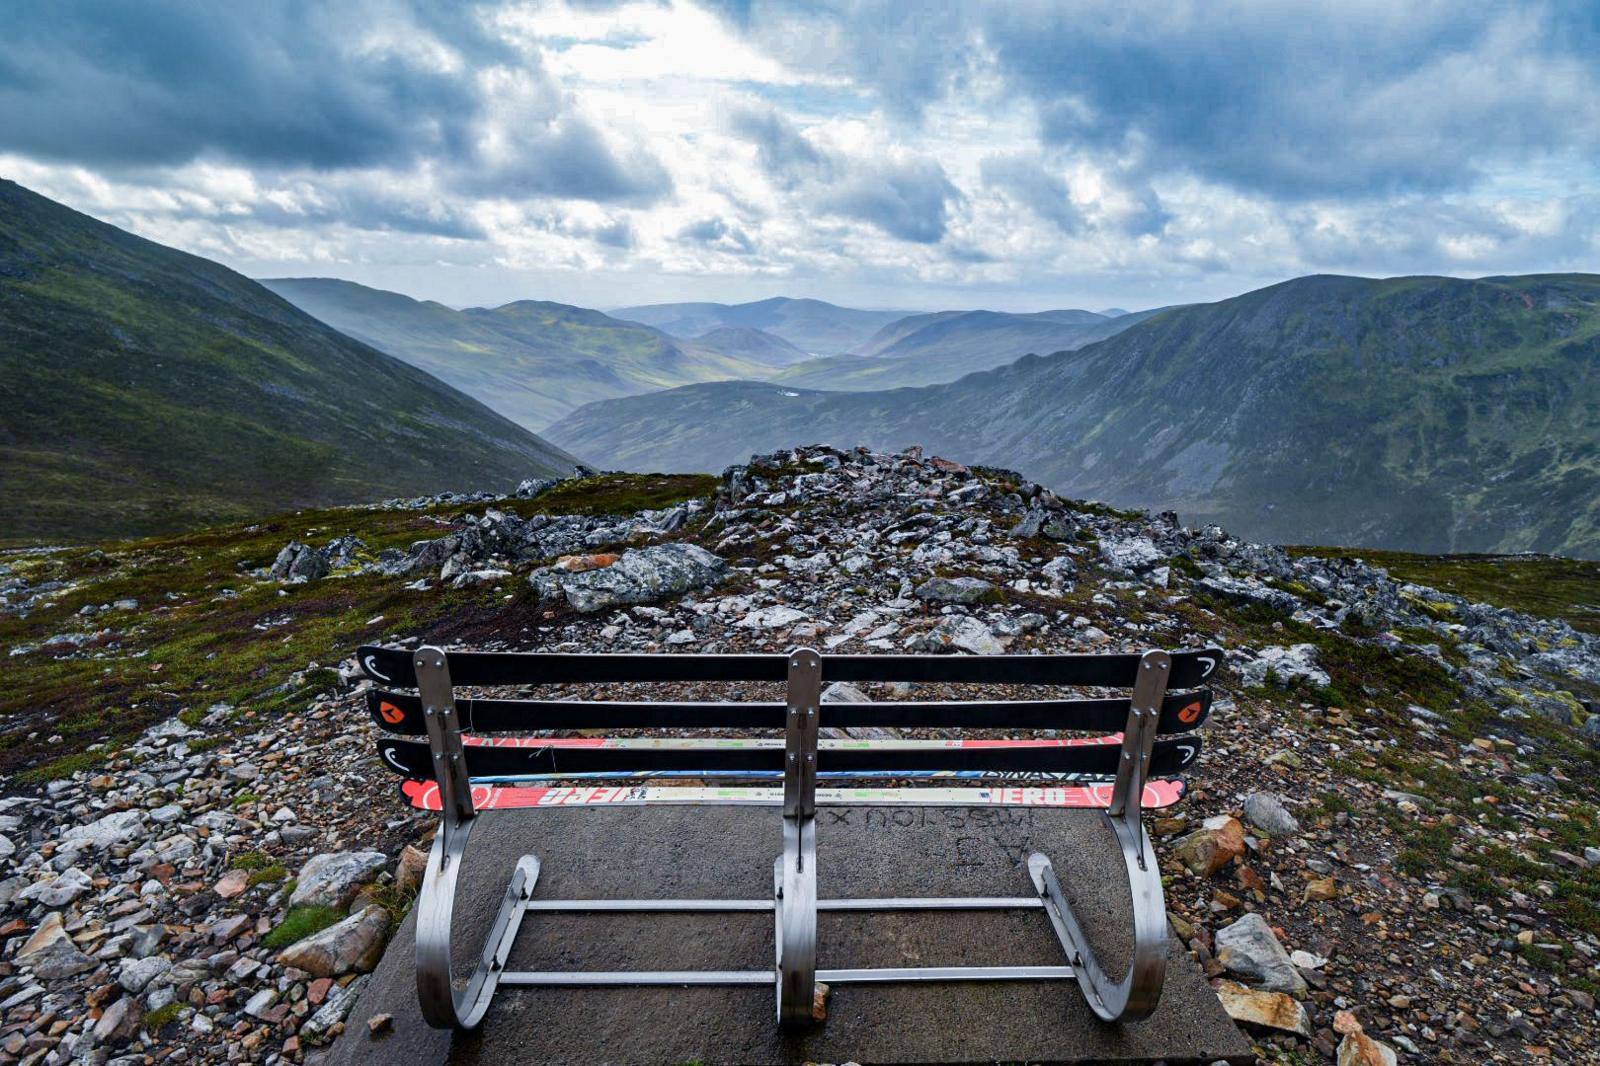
144 389
1422 413
533 361
814 326
941 347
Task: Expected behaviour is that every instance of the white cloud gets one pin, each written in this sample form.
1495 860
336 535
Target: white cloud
889 153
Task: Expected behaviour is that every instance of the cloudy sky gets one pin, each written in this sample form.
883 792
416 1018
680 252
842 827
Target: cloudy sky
917 155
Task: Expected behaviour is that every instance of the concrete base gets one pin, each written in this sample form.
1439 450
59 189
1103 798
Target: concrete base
727 852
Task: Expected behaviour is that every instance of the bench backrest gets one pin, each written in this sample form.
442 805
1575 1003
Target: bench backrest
467 733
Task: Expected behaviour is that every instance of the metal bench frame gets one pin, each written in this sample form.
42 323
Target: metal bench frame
794 901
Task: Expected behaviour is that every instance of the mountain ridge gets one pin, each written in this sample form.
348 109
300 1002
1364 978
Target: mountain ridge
947 345
531 360
814 326
1423 413
147 390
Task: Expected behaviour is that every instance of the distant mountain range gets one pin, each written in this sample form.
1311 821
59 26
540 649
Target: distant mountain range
813 326
1427 413
536 362
533 361
946 345
145 390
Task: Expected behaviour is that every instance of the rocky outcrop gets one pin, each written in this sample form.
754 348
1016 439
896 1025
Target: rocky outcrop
352 946
639 575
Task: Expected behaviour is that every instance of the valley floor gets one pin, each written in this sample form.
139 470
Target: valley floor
1401 780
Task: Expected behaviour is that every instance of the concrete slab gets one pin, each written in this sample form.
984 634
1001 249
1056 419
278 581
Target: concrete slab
727 852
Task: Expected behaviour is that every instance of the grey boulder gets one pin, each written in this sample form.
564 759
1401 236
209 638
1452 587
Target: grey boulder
1249 949
641 575
967 590
332 879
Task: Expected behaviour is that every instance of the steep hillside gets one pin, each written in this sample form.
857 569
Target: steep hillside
811 325
143 390
1431 414
933 349
532 361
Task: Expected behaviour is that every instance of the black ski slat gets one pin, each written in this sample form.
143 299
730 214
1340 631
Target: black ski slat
413 759
401 713
393 666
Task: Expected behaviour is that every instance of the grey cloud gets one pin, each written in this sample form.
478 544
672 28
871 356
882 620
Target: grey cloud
784 152
618 233
361 209
1042 191
1294 101
566 158
116 83
131 86
907 199
1303 103
716 233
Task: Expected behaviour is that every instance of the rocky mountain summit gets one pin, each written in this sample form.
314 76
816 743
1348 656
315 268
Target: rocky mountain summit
1389 852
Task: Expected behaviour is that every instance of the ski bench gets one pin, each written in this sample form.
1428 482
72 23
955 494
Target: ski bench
466 764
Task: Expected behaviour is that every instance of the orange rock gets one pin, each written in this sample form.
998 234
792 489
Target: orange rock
1208 849
1359 1049
1345 1023
233 883
576 564
1265 1010
1324 888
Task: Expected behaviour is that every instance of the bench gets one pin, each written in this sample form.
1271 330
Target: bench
466 765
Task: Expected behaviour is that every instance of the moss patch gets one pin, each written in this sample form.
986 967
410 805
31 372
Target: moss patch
300 923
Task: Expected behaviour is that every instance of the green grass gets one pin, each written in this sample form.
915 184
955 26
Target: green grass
606 494
206 633
251 860
156 1020
300 923
1541 585
267 875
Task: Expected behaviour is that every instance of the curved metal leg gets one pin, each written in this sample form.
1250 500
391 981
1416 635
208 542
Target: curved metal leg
795 910
1136 995
443 1006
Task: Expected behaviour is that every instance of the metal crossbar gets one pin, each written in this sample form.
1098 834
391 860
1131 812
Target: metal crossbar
794 903
399 713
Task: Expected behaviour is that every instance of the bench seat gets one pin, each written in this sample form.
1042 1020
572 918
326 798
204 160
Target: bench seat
461 755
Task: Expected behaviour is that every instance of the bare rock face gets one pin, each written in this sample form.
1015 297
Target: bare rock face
1359 1049
641 575
1265 811
1214 845
333 879
119 1023
1297 662
964 590
1264 1010
352 946
957 632
50 952
1250 949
